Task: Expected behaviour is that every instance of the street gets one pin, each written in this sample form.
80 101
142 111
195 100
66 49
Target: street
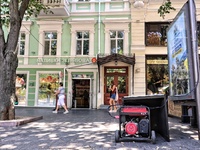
84 129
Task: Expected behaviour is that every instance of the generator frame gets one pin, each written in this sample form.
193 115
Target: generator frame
131 114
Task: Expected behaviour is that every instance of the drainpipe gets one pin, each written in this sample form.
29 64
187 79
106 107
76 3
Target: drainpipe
99 27
99 40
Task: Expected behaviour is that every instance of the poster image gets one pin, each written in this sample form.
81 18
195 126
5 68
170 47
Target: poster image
178 57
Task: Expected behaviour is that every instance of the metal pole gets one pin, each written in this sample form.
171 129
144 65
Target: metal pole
192 11
99 27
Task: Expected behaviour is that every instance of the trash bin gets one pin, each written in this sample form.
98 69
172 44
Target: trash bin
158 111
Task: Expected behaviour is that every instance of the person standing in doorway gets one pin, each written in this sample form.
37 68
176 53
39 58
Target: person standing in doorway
61 99
112 103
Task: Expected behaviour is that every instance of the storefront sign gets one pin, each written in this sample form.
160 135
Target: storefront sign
64 60
157 61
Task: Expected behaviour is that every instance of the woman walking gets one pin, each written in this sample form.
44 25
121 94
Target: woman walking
61 99
112 97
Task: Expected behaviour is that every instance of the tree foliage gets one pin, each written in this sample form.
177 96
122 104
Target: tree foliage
12 13
165 8
33 9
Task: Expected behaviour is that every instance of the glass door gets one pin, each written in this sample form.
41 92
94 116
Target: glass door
108 80
81 93
122 87
120 78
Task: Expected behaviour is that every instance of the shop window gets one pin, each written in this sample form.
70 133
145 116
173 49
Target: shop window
156 34
82 43
48 84
116 42
21 43
21 80
157 75
50 43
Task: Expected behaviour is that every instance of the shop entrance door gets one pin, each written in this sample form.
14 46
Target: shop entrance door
81 93
120 78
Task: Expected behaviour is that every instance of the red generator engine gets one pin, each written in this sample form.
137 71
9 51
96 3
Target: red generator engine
134 125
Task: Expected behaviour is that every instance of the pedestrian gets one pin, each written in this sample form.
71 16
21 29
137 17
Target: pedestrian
112 103
61 99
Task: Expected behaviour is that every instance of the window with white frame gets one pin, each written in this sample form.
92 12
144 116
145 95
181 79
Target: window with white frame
116 42
21 43
82 43
50 43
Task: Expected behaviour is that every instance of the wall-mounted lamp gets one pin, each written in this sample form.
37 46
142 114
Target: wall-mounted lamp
33 53
138 4
137 70
65 52
50 35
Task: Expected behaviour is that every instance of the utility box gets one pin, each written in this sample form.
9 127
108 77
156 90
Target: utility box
158 111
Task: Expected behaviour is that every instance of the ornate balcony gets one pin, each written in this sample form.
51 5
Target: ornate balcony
58 7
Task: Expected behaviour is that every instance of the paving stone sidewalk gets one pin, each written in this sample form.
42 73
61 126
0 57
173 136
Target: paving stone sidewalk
86 130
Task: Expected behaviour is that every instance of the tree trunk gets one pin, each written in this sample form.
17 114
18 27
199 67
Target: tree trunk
7 89
8 58
9 64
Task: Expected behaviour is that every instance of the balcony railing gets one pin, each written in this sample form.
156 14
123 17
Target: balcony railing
52 2
62 4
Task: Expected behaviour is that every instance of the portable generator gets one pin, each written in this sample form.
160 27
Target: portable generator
134 125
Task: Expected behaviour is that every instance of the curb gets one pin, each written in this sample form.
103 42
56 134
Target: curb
20 120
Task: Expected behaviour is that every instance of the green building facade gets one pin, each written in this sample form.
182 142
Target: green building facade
63 47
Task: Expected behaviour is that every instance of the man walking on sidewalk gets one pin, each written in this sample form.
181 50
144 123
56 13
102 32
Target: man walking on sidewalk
61 99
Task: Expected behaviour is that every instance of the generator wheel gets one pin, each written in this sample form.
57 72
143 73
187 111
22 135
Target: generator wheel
153 136
117 136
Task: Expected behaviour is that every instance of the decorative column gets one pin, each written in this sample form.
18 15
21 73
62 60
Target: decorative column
73 43
126 41
58 53
69 92
40 48
107 41
26 53
91 45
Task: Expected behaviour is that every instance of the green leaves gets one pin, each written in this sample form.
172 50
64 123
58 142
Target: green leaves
34 9
165 9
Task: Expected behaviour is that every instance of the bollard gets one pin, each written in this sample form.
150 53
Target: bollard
75 103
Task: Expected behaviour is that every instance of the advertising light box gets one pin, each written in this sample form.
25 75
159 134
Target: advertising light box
180 57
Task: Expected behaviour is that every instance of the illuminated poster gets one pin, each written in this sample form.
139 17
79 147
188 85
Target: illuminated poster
178 57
